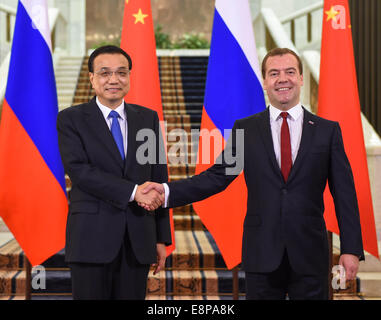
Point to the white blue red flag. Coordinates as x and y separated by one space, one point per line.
33 200
233 91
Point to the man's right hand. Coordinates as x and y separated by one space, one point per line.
150 199
149 186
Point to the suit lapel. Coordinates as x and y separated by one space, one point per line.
134 123
308 131
265 130
98 125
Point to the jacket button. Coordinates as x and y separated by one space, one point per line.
284 191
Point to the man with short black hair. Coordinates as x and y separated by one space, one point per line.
110 240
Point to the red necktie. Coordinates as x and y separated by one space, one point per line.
285 147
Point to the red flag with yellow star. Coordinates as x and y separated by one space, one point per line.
339 101
138 40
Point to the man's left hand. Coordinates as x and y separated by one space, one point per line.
350 263
161 256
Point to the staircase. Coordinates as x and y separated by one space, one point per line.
195 270
66 74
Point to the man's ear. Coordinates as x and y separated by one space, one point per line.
91 76
264 84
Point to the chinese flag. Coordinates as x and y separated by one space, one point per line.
138 40
339 101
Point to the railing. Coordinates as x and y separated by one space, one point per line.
305 17
58 27
8 15
273 33
7 22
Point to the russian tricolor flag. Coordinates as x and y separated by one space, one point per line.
33 200
233 91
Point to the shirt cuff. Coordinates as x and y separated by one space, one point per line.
166 194
132 198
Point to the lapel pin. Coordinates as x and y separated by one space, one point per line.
311 122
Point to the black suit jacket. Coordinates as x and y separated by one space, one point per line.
102 183
285 215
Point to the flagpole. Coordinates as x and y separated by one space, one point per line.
330 248
28 278
235 283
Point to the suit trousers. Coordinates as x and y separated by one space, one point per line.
124 278
285 282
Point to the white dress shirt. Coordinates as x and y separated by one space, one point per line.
123 127
295 124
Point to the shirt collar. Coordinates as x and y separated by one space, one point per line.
106 110
294 112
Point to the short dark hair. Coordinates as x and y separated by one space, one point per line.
109 49
280 52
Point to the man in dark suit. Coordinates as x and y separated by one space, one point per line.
110 240
289 155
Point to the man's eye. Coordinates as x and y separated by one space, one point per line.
122 74
105 74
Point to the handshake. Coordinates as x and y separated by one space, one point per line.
150 195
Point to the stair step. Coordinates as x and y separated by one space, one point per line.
183 84
172 112
51 297
179 119
11 255
186 61
370 283
64 79
187 78
185 297
193 283
12 282
195 249
347 297
65 92
195 105
188 209
12 297
65 86
182 169
163 65
71 60
67 72
187 222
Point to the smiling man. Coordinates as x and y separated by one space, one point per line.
283 78
110 240
289 156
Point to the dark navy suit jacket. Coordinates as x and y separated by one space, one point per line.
285 215
100 213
